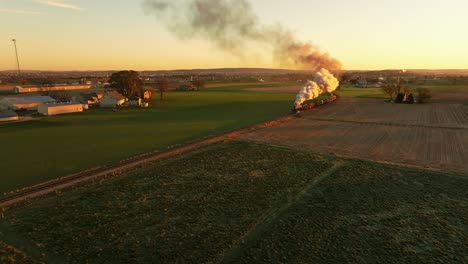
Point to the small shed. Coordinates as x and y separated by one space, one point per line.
59 109
112 99
8 116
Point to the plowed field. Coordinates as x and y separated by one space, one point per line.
431 135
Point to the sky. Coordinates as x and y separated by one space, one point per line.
118 35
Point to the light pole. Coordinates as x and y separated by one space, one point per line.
17 59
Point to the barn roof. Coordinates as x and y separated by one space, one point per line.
29 99
116 95
7 113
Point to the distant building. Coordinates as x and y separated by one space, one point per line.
88 98
47 88
362 83
25 103
59 109
112 99
186 87
147 95
8 116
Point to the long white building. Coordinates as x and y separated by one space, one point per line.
59 109
47 88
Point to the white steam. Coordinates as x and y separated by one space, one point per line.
323 82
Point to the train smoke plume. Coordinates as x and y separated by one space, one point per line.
231 24
324 82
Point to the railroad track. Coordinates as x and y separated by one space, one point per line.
68 181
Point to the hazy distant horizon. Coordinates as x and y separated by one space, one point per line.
363 35
228 68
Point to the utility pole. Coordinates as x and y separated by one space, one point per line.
17 59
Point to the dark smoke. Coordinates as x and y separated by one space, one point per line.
231 25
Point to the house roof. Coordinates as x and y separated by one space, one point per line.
7 113
89 96
116 95
29 99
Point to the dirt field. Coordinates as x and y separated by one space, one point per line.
431 135
457 94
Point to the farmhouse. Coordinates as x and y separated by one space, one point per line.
25 103
88 98
47 88
58 109
112 99
8 115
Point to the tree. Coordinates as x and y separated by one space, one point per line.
128 83
198 83
162 86
424 95
389 90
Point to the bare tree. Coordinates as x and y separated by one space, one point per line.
389 90
198 83
162 86
424 95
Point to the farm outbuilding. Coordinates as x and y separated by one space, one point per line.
59 109
88 98
134 101
8 116
47 88
25 103
112 99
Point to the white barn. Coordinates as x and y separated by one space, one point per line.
112 99
59 109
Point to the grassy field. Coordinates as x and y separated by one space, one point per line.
33 152
243 202
351 91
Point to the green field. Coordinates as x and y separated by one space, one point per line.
243 202
351 91
37 151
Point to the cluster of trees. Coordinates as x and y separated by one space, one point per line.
129 83
403 93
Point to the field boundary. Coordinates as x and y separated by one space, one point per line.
73 179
